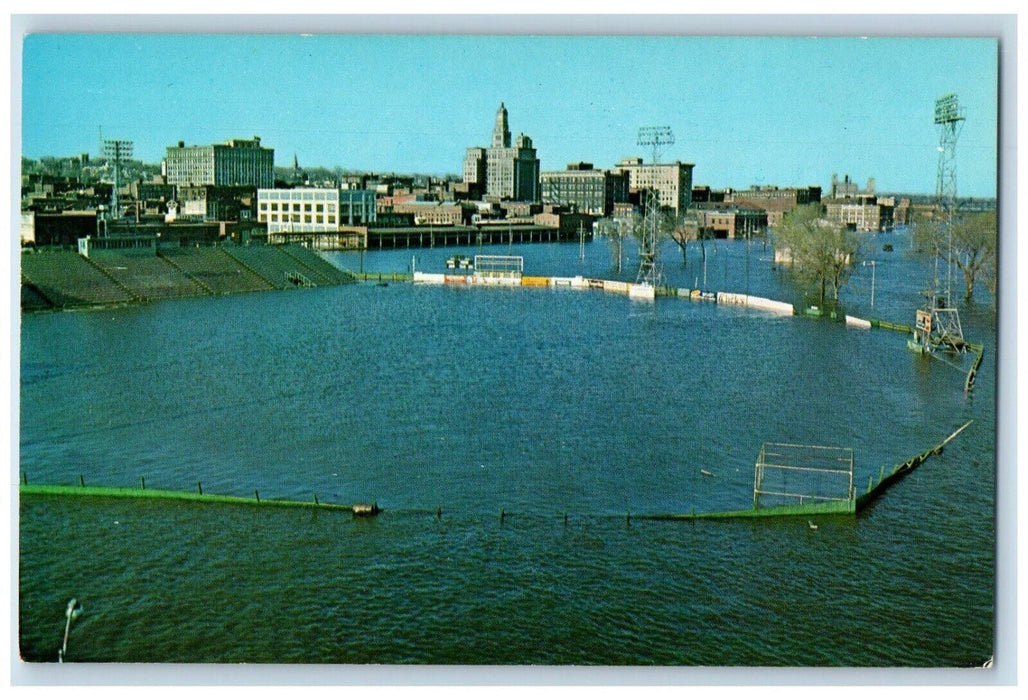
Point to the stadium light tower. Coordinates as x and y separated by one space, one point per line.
116 149
949 117
658 138
938 324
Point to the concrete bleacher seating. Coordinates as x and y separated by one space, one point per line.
279 265
326 272
216 269
32 299
67 279
147 277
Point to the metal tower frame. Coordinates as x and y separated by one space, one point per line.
938 324
649 241
116 149
949 117
658 138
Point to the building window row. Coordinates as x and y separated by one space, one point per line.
296 218
297 207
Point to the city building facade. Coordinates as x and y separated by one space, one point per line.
717 220
856 209
672 181
864 215
236 162
503 171
588 190
848 189
436 213
776 201
313 209
214 203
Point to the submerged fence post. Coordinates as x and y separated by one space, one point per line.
257 495
199 488
316 499
82 482
142 483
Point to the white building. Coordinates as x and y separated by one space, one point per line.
314 209
673 181
236 162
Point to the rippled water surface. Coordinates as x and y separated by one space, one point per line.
537 403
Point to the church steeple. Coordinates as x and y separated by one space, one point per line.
501 134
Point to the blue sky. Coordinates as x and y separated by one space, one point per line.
745 110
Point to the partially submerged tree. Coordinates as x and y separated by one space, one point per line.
615 232
686 228
969 242
820 252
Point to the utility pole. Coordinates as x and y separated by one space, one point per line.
872 263
747 265
620 239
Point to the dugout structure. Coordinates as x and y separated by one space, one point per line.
804 478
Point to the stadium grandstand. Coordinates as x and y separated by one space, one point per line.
66 279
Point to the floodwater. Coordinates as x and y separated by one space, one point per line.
568 411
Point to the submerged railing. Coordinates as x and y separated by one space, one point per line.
847 506
194 496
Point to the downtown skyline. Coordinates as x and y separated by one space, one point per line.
783 111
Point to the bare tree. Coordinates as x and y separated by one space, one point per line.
616 235
821 253
686 229
969 242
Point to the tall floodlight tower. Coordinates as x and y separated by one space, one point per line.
949 118
937 326
116 149
658 138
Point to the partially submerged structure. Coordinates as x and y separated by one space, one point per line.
812 478
807 480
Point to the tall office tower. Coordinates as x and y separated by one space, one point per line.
503 171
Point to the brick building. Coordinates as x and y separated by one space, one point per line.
720 220
586 189
776 201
